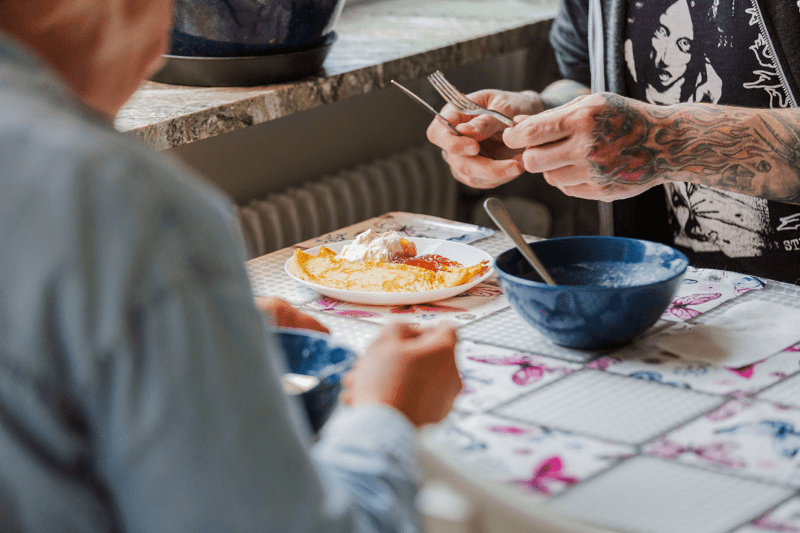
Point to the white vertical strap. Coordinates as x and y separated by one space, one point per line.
605 213
605 210
596 46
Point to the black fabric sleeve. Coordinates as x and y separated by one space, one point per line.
569 39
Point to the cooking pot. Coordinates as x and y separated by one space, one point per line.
230 28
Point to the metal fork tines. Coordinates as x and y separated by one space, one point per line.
463 104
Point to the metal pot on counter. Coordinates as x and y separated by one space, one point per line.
248 42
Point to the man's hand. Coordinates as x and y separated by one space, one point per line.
594 147
409 368
606 147
483 132
285 315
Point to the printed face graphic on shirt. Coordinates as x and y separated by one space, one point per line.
671 46
713 51
667 52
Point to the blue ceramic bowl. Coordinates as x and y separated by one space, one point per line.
231 28
608 289
311 353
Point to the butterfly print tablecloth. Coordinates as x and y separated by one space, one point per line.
633 439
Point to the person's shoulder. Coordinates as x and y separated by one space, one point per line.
156 180
67 168
61 145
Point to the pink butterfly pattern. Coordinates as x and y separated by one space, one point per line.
330 305
754 439
548 472
531 369
718 453
746 371
705 289
680 307
602 363
480 301
784 518
539 460
728 382
728 410
510 430
499 374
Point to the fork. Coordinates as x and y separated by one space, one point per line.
463 104
427 106
435 113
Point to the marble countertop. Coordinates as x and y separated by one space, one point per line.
378 40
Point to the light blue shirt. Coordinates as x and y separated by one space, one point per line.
139 386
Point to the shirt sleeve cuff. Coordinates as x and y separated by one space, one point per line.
375 426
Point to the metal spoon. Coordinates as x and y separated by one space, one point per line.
298 383
293 383
500 215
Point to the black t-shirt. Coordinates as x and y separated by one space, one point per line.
714 51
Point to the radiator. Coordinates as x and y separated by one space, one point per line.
417 181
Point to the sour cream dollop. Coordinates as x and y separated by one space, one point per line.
371 246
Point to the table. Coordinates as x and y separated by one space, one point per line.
632 439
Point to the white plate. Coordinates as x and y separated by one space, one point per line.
463 253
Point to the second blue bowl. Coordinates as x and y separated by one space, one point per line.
312 353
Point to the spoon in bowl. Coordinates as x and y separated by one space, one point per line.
293 383
298 383
497 211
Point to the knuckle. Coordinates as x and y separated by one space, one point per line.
530 160
584 114
595 99
460 167
531 130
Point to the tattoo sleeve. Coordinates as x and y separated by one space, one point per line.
749 151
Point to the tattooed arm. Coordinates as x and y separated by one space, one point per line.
749 151
606 147
484 132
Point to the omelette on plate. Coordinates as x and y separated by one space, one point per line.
330 270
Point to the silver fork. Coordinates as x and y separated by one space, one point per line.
463 104
435 113
427 106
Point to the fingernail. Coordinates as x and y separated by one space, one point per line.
471 150
512 171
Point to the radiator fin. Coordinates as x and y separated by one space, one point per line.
416 181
